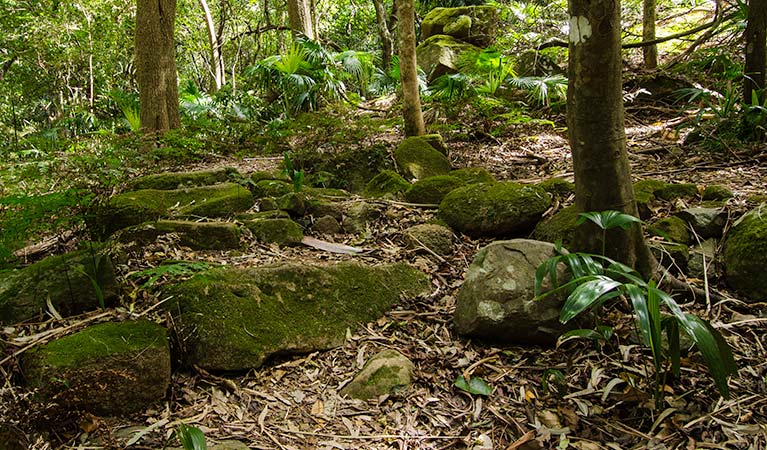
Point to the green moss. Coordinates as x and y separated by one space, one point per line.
494 209
677 190
178 180
433 189
559 227
436 141
418 159
437 238
351 169
671 255
273 214
233 319
649 186
271 188
745 255
757 199
196 235
278 231
644 194
475 24
261 175
441 54
716 192
558 186
388 183
672 228
292 202
472 175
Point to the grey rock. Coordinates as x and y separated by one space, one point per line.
705 222
326 225
435 237
695 265
386 372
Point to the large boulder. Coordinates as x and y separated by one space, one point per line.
67 281
349 169
441 54
277 231
195 235
386 372
433 189
387 184
494 209
745 255
477 25
135 207
236 318
180 180
105 369
496 301
418 159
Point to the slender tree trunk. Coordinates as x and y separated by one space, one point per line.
648 34
411 100
756 52
300 16
156 65
216 57
596 129
387 51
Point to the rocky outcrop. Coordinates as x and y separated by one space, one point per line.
387 184
440 54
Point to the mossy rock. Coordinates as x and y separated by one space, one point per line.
179 180
716 192
328 193
236 318
559 227
558 186
650 185
261 175
441 54
66 280
320 207
292 202
326 225
494 209
351 169
417 159
756 199
672 255
644 194
433 189
271 188
745 255
672 228
676 191
436 141
272 214
106 369
359 216
388 183
436 238
133 208
475 24
277 231
473 175
386 372
195 235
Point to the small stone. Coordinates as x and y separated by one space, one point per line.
326 225
359 216
705 222
386 372
436 238
671 255
716 192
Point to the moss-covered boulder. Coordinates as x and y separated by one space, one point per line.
745 255
277 231
436 141
351 169
234 319
386 372
105 369
716 192
644 194
67 281
440 54
494 209
434 237
261 175
271 188
179 180
271 214
293 203
672 228
473 175
133 208
326 225
671 255
675 191
475 24
388 183
417 159
195 235
433 189
559 227
557 186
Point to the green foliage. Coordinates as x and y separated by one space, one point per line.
129 105
474 385
295 175
596 279
169 270
191 438
607 220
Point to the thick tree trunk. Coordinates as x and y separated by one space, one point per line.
387 51
596 130
156 65
300 16
648 34
411 100
756 52
218 70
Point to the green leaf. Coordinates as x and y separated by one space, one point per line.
475 386
608 219
671 325
718 359
191 438
653 308
584 333
586 295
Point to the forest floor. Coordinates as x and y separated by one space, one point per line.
580 395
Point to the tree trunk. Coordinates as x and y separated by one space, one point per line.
387 50
411 100
216 57
156 65
648 34
300 16
596 130
756 53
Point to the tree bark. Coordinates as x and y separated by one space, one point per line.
756 50
300 16
595 120
387 51
218 69
650 52
156 65
411 100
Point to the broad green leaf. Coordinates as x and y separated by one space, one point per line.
717 359
607 220
580 333
475 386
191 438
639 302
671 325
653 308
586 295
